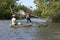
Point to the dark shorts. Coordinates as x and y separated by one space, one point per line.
28 19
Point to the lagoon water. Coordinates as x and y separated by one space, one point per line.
51 32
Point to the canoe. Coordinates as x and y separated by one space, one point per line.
22 25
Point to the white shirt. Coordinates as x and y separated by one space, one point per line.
13 21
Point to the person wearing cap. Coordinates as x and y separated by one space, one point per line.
14 22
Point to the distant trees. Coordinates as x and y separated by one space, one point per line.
24 8
8 7
37 12
5 8
49 8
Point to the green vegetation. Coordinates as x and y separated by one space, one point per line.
5 8
37 12
49 8
9 7
44 8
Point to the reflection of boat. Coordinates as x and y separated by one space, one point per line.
22 25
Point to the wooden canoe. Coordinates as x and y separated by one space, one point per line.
22 25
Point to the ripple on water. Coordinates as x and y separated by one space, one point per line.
51 32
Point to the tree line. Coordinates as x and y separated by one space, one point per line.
8 7
48 8
44 9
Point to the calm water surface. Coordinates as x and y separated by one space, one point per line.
51 32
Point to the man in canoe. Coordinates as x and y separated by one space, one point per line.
28 18
14 21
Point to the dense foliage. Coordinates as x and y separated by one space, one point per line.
49 8
8 7
5 8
